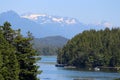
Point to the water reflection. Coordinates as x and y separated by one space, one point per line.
50 72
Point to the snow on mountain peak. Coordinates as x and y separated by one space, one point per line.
58 19
34 16
71 21
107 24
43 18
104 23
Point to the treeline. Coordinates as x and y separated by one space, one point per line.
92 48
46 50
17 60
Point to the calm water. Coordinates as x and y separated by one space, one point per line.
50 72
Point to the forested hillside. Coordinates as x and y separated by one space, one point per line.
49 45
92 48
16 55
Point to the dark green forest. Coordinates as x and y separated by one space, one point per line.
17 61
92 48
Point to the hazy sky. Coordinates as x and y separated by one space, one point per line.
86 11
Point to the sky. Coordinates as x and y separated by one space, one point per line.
86 11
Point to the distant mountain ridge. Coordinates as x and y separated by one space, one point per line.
57 41
49 45
42 25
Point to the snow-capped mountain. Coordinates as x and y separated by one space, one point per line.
43 19
43 25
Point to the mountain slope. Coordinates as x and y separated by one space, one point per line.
45 25
49 45
53 40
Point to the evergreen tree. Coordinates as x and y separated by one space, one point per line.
9 68
25 54
17 61
92 48
1 64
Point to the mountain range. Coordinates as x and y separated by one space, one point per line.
43 25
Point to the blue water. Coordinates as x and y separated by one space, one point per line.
50 72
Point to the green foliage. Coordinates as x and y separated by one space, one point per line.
26 60
117 79
17 61
92 48
9 65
